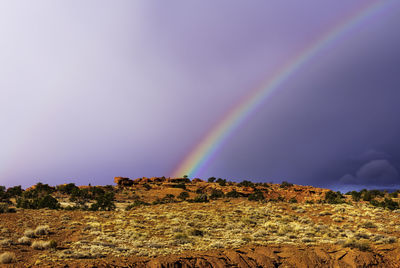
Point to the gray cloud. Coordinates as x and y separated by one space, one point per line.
375 172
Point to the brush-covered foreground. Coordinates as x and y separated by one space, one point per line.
295 230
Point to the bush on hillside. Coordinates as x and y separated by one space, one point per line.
183 195
256 196
104 202
211 179
246 184
286 184
216 193
221 182
233 194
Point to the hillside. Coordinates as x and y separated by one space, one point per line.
176 222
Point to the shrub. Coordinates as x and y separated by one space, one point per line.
201 198
7 257
46 201
286 184
334 197
146 186
246 184
233 194
40 245
6 242
42 230
211 179
368 224
29 233
14 191
367 196
183 195
104 202
293 200
24 241
221 182
256 196
387 203
216 193
136 203
196 232
181 238
4 208
67 188
356 196
394 195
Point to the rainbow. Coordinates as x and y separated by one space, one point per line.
202 153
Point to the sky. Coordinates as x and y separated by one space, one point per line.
90 90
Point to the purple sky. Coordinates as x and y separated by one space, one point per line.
90 90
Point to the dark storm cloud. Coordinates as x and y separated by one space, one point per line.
376 173
334 116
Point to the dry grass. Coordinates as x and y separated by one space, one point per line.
42 230
24 240
29 233
7 257
41 245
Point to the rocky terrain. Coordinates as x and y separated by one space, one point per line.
177 222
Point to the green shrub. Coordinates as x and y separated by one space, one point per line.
293 200
286 184
246 184
256 196
66 188
221 182
4 208
183 195
201 198
356 196
387 203
46 201
211 179
334 197
233 194
146 186
216 193
136 203
104 202
14 191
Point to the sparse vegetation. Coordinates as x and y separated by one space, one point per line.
183 195
41 245
216 193
156 222
256 196
233 194
7 257
211 179
286 184
334 197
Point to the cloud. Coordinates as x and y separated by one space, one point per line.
372 155
375 172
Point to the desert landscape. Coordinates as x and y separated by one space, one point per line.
178 222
